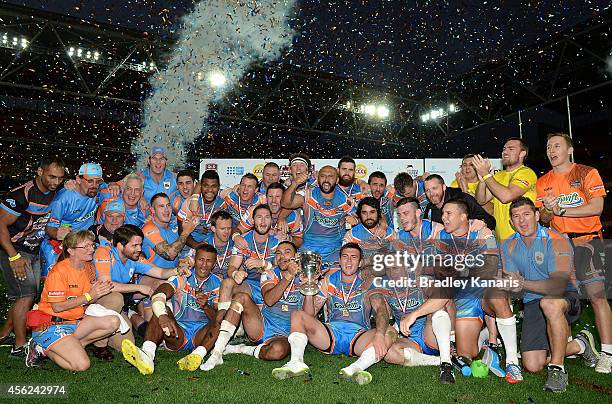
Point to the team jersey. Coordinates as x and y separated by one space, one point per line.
294 223
65 282
238 208
136 216
176 200
291 300
108 264
31 206
184 301
73 209
346 301
549 252
103 236
154 234
167 185
525 178
386 207
471 186
421 244
369 242
573 188
323 228
352 191
196 205
265 251
403 301
224 253
475 244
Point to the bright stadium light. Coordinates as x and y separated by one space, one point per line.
437 113
382 112
368 109
216 79
15 42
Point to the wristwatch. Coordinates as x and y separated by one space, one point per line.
562 211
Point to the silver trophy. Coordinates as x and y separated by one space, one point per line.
310 272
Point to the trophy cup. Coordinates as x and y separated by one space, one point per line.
310 272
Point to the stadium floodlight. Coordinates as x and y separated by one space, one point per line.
368 109
216 79
437 113
14 42
382 111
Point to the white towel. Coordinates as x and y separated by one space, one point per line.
97 310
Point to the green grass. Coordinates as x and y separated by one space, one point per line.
246 380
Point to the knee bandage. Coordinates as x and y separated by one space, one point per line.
158 304
237 307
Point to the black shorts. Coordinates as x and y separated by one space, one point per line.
534 336
16 288
588 261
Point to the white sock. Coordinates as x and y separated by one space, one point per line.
582 346
507 330
441 325
256 351
559 366
419 359
130 313
298 342
200 351
482 337
367 359
149 347
607 348
226 332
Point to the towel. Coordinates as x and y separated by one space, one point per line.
97 310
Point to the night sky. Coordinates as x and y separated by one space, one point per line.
408 45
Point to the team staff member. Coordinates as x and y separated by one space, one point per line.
571 197
157 178
539 261
136 209
505 186
23 217
71 210
70 286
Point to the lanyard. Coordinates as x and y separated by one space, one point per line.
399 301
350 192
286 293
346 299
467 240
418 249
257 249
224 254
212 209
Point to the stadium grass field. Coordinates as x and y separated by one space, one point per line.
246 380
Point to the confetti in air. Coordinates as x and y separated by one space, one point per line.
218 41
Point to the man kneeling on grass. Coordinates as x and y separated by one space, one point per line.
189 323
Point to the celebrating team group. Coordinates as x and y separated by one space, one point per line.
189 264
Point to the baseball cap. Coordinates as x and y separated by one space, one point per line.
90 170
159 150
116 205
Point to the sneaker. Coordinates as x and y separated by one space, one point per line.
215 359
604 364
103 353
18 352
34 354
491 359
513 373
290 369
590 356
136 357
447 376
556 381
190 362
8 340
233 349
361 377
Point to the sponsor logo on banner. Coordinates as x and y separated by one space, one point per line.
361 171
285 171
258 170
211 166
412 171
235 170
